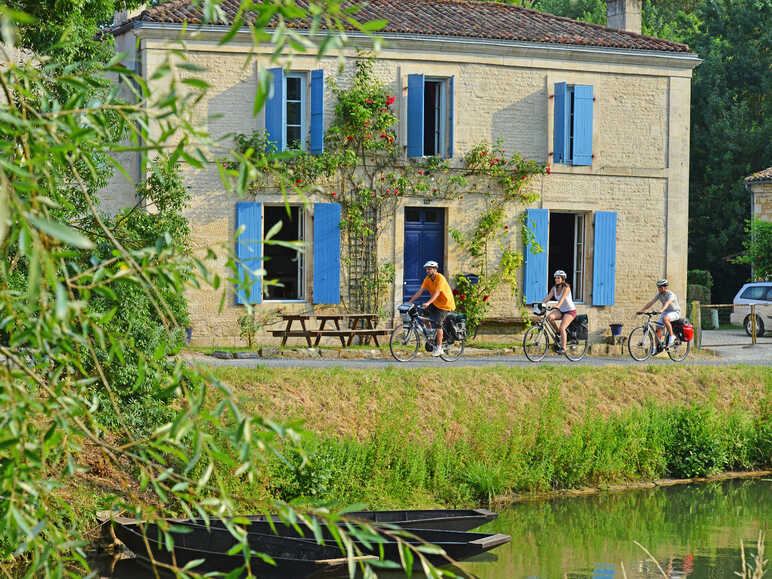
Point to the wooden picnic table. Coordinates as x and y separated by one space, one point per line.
353 325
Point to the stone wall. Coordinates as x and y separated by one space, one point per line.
639 170
762 201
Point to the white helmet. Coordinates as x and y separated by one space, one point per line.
560 273
431 263
662 283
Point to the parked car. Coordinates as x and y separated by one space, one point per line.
758 293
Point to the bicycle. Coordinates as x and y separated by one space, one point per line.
539 336
406 338
643 341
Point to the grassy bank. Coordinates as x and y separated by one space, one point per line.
453 436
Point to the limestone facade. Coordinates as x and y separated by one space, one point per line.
503 91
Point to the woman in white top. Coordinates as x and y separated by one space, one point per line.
565 310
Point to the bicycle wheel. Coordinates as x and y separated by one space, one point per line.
452 352
679 350
535 343
404 343
640 343
575 349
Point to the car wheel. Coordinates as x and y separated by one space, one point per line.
759 326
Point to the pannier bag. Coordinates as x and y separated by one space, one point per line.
454 325
683 329
578 327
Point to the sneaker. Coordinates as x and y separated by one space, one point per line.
438 352
670 341
560 350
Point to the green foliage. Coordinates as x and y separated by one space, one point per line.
701 277
758 248
698 292
92 305
694 443
731 131
251 323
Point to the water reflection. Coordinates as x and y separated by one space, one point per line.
693 531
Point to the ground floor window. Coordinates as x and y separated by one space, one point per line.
284 264
567 250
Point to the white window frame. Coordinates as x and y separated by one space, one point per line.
580 242
441 116
303 77
301 256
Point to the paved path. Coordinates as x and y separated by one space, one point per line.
739 351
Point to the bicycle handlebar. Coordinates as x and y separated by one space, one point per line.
652 313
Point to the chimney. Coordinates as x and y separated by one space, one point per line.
624 15
124 15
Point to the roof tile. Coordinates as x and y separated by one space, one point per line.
449 18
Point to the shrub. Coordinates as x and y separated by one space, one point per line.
694 443
700 277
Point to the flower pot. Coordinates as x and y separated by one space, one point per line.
616 329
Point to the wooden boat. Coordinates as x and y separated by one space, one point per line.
302 559
458 545
442 519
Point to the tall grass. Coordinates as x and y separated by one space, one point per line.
536 454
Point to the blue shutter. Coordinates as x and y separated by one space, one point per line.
604 259
415 115
317 112
326 253
450 117
535 274
582 153
248 250
276 111
560 131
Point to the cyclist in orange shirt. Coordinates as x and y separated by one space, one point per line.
440 303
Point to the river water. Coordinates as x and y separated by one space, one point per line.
691 530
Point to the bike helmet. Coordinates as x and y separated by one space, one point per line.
560 273
662 283
431 263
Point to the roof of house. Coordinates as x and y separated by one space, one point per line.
447 18
765 175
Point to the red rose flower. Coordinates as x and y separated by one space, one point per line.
549 171
420 172
506 227
461 197
349 138
389 100
463 296
334 193
369 101
434 190
299 181
485 298
455 292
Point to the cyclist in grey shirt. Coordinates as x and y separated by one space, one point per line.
670 310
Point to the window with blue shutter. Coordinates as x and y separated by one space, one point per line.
581 153
604 258
415 115
535 266
248 250
562 114
275 112
572 124
317 112
326 253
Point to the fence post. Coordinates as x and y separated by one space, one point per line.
753 323
696 318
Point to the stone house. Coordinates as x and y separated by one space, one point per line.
759 185
606 108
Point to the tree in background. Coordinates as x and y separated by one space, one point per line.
731 131
758 249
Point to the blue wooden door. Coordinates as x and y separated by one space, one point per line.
424 241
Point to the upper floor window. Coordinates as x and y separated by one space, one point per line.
429 116
572 131
287 111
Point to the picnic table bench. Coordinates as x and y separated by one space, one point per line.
354 325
